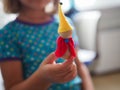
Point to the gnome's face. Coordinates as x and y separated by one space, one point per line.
67 34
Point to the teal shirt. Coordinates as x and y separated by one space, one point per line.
31 43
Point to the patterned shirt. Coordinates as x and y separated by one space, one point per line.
31 43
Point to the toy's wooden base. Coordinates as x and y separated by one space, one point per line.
66 55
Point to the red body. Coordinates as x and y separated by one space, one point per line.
63 45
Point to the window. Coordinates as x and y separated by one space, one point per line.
84 4
78 4
66 5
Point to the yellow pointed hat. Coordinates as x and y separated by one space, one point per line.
64 26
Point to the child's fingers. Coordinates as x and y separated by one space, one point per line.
50 59
70 59
77 62
68 62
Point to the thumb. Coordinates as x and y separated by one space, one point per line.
50 58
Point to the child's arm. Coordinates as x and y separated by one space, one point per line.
83 72
85 76
47 72
13 78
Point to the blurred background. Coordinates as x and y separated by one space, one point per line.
97 25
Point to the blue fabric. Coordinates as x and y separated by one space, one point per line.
31 43
66 40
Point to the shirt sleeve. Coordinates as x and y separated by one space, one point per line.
9 49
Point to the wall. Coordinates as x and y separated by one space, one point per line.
5 18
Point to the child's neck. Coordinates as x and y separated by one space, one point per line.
33 16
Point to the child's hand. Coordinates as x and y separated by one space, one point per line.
57 72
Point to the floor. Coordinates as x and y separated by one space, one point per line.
107 82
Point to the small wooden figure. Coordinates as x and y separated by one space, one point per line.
65 44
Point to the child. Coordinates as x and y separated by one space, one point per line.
25 47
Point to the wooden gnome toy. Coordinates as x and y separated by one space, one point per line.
65 44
